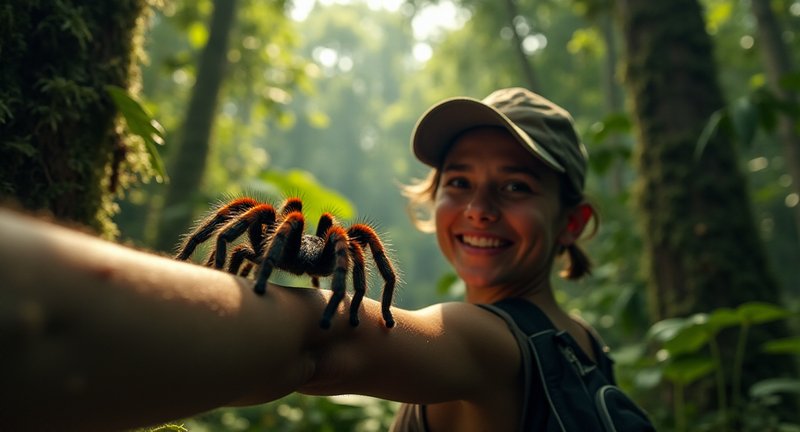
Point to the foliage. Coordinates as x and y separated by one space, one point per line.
690 351
316 197
743 118
141 124
298 412
292 413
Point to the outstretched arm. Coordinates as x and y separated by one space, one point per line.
96 336
94 332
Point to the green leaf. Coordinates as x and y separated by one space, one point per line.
771 386
688 369
759 313
711 128
665 330
722 318
140 123
317 199
783 346
690 338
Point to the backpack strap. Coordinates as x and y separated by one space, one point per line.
577 393
532 320
526 360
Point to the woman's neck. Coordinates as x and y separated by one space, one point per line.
537 291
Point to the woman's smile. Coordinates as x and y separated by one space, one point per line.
481 243
497 210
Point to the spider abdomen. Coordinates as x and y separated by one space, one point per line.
310 259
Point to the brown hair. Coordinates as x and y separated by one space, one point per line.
422 193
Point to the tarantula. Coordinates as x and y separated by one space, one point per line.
276 239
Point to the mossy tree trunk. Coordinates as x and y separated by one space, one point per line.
702 247
778 64
189 163
60 147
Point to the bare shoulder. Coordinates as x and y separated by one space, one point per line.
458 350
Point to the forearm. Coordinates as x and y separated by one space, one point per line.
97 335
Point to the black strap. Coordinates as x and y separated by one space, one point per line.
526 359
531 320
527 315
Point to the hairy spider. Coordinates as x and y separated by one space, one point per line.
276 239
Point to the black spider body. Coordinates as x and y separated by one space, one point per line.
276 239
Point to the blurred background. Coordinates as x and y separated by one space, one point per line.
272 98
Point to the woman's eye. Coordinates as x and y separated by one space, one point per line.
457 182
517 187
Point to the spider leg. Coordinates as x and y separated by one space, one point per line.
262 214
207 227
238 255
209 260
285 241
326 221
246 270
359 280
291 205
366 236
337 238
257 234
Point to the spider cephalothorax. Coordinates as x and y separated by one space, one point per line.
276 239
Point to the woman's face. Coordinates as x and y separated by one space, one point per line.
497 211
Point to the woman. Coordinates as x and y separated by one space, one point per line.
86 342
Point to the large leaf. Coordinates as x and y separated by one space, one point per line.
665 330
723 318
140 123
687 335
317 199
683 335
689 339
759 313
783 346
775 385
687 370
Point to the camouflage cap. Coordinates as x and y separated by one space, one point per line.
544 128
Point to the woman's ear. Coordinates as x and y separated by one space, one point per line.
577 219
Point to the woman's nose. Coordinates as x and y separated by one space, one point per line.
481 208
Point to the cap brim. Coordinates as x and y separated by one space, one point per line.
441 124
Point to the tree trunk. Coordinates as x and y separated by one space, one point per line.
527 69
777 64
701 244
189 163
614 102
60 148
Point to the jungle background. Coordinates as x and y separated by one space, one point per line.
133 118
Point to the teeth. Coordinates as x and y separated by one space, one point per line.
482 242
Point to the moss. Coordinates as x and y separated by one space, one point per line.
58 131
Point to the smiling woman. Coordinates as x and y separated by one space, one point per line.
91 329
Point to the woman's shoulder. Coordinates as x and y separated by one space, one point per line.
458 350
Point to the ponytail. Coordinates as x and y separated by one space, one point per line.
578 265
